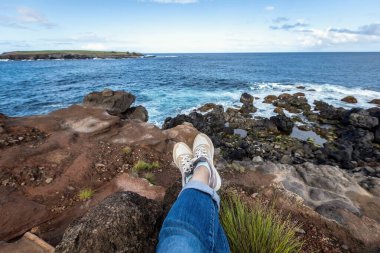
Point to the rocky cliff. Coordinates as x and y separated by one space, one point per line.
322 165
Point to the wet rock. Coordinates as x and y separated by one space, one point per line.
299 94
247 101
300 87
375 101
362 119
123 222
293 103
350 100
283 123
269 99
210 123
136 113
377 135
284 96
279 110
207 107
329 112
374 112
115 103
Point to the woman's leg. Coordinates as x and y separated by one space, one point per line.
192 224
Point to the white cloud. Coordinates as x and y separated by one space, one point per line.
269 8
318 38
31 16
25 18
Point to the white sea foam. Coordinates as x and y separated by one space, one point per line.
167 56
331 94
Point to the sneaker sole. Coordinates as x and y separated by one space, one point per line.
218 179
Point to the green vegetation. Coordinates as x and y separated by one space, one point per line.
127 150
86 193
142 165
150 177
257 229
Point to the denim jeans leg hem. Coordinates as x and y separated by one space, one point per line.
197 185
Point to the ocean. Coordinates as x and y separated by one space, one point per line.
178 83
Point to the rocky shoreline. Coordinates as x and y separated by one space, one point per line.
325 159
67 55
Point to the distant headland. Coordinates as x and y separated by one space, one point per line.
67 54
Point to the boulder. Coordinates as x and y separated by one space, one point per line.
136 113
283 123
293 103
350 100
362 119
299 94
246 99
375 101
279 110
207 107
329 112
269 99
377 135
115 102
284 96
123 222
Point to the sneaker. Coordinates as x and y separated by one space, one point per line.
182 157
204 149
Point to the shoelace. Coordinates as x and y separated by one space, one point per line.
187 163
201 151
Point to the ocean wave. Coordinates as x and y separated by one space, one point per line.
166 56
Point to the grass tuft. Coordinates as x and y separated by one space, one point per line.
127 150
257 229
150 177
86 193
142 165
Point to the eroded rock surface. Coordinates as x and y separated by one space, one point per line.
123 222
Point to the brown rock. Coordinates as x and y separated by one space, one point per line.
279 110
300 87
299 94
18 214
269 99
350 100
107 93
284 96
375 101
136 113
246 99
116 103
207 107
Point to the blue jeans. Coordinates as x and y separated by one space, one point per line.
192 225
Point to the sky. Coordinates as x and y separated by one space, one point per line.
189 26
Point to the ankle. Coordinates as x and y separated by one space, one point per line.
201 173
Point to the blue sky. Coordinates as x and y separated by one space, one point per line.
164 26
